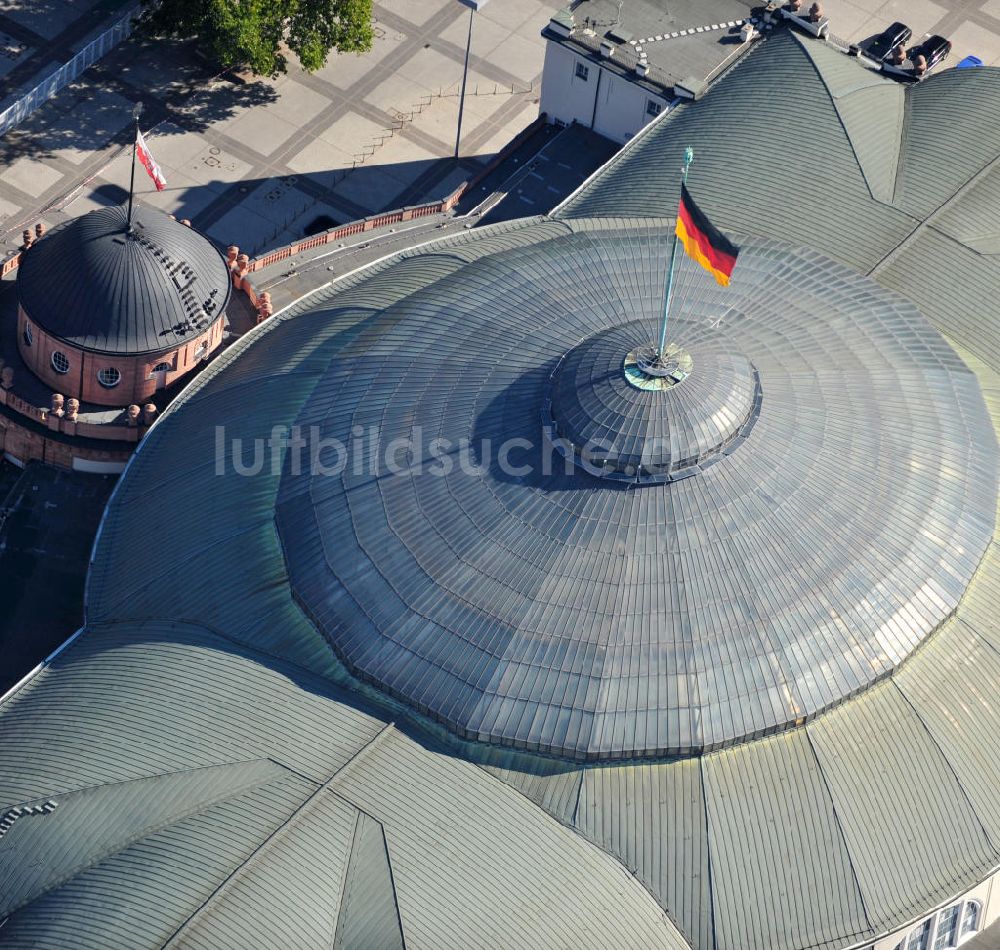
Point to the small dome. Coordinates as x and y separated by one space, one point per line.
617 426
101 288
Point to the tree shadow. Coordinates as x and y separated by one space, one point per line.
181 92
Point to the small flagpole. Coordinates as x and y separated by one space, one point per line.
136 112
688 159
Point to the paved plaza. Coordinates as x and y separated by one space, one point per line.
261 163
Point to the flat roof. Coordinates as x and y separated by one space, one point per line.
679 41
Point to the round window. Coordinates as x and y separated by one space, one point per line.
28 338
109 378
60 363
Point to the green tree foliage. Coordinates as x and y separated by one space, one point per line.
254 33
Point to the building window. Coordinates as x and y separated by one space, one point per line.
970 918
28 338
109 377
59 362
202 350
653 107
161 368
582 72
920 939
945 928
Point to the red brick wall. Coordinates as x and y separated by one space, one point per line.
81 381
27 446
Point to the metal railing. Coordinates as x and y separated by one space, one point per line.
65 74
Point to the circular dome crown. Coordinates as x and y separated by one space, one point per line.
99 287
615 425
513 596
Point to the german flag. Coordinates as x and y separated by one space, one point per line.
703 241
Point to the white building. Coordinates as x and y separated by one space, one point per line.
614 75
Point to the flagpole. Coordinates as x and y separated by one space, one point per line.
688 158
136 112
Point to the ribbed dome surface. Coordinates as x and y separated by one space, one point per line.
94 285
522 601
650 434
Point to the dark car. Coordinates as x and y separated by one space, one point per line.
934 50
881 48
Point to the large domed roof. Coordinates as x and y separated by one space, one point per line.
837 459
100 287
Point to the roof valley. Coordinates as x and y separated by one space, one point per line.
928 223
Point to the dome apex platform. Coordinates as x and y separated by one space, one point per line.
618 420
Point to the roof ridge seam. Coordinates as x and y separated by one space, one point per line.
904 139
833 102
840 827
238 871
951 768
306 805
927 223
714 938
145 831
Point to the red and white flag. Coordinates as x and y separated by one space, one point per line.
148 162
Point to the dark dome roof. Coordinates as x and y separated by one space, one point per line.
98 288
621 429
538 606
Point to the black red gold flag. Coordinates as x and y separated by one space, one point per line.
703 241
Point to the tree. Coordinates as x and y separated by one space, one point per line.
253 33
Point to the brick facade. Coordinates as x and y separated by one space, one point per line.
26 445
138 382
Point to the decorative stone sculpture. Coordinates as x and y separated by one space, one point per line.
57 404
27 239
242 269
39 231
72 409
920 64
133 415
7 377
816 13
264 307
149 414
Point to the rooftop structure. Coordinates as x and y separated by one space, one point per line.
97 285
108 319
318 714
614 67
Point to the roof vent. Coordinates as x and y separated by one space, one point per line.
690 88
607 49
618 34
642 68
